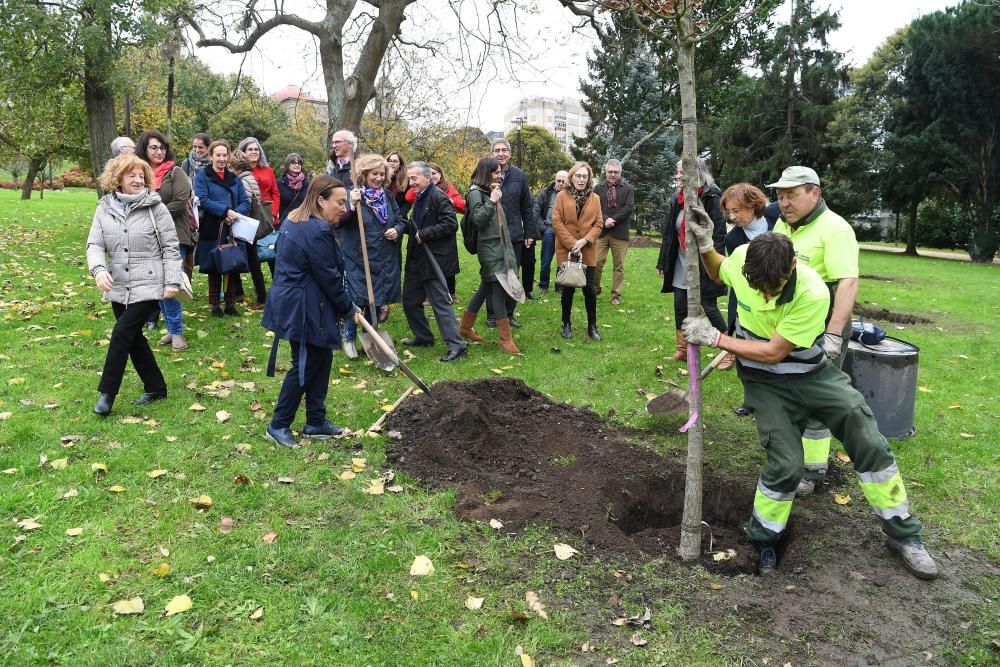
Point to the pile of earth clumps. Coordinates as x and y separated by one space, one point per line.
643 242
516 456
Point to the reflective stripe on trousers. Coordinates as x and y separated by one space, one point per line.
771 508
816 450
885 492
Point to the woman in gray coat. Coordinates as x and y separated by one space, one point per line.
494 251
133 255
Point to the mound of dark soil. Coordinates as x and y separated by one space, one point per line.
643 242
839 596
517 457
887 315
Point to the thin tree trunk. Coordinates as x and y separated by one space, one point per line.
35 165
690 542
170 99
98 97
911 231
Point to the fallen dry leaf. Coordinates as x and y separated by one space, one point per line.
323 456
197 407
531 597
395 488
72 493
6 415
527 661
104 577
269 538
286 480
564 551
201 502
226 525
358 465
242 480
178 605
162 570
98 468
258 614
414 594
59 464
346 475
714 585
841 498
255 406
132 420
117 488
518 615
131 606
165 552
73 532
728 554
243 448
222 416
15 381
924 389
10 471
843 458
153 474
474 603
496 524
954 406
422 566
966 436
637 640
376 487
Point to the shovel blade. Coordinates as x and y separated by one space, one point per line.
386 360
510 283
670 403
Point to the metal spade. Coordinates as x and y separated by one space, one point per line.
675 400
385 358
508 277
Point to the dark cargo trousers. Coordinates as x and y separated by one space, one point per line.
782 411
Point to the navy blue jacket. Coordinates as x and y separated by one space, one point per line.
383 254
290 199
518 206
437 226
308 294
216 196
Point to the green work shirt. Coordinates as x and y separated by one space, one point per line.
825 242
798 314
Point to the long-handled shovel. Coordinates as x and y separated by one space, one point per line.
508 277
385 358
675 400
372 307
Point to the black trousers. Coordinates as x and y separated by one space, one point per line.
490 292
528 268
318 362
256 274
589 300
707 303
127 341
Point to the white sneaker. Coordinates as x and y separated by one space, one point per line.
805 487
350 350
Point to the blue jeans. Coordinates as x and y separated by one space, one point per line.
172 310
548 252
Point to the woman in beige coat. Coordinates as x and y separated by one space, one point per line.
133 256
577 223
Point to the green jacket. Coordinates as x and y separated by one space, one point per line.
494 236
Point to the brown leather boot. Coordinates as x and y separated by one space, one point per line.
506 341
681 353
465 328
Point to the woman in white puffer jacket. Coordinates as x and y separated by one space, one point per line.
133 255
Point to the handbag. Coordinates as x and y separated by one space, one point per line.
261 212
185 292
231 257
572 274
266 247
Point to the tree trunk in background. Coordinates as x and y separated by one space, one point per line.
170 100
690 542
911 231
35 166
98 97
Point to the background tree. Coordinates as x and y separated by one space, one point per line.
279 145
541 157
249 117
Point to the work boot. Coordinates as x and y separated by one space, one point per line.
104 403
915 556
805 487
506 341
681 353
767 559
465 328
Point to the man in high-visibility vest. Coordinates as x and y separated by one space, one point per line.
825 242
788 379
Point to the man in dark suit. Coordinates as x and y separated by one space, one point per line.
431 254
617 206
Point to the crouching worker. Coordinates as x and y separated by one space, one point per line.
787 380
307 299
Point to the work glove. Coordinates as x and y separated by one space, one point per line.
699 331
832 344
702 227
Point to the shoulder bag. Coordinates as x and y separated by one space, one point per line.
230 257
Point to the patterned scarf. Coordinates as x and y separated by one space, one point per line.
582 197
160 172
612 195
295 181
375 200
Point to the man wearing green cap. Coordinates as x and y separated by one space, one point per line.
825 242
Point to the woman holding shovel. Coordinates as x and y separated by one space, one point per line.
373 268
495 252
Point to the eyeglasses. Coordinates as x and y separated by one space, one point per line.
155 149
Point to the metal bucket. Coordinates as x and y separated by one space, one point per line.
886 375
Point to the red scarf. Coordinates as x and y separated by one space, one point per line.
683 231
161 171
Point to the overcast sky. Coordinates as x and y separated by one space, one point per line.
556 57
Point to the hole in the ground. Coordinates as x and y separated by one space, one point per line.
887 315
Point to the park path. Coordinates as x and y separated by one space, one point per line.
959 257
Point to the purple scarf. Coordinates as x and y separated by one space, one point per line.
376 201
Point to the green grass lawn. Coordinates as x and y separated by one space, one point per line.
334 586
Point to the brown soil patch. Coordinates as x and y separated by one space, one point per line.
839 597
872 276
643 242
887 315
